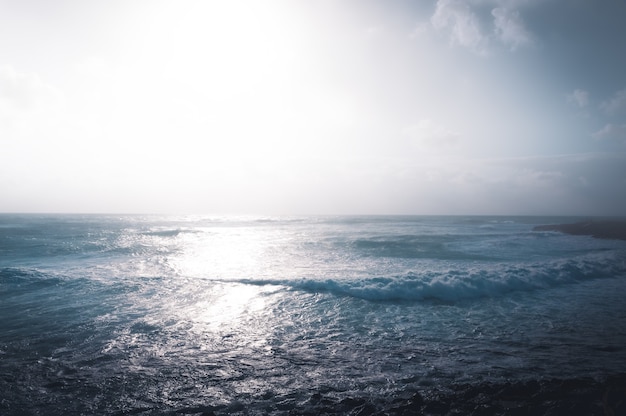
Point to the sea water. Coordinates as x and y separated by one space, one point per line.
260 315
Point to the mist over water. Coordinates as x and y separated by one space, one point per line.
146 314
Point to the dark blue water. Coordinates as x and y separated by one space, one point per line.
192 315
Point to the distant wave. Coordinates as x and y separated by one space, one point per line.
12 277
413 247
168 232
456 285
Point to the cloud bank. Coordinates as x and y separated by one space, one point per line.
468 27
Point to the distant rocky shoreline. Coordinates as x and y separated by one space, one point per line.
607 229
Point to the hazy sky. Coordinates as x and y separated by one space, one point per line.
313 107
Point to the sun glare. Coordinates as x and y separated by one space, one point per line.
209 105
221 253
229 77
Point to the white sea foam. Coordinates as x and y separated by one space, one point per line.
470 282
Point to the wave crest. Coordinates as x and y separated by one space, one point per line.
456 285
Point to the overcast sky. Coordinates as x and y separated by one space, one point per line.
313 107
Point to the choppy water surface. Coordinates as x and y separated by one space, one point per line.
146 315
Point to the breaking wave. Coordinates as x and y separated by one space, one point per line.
458 284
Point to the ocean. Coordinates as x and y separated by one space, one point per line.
146 315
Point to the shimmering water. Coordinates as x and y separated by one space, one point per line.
149 315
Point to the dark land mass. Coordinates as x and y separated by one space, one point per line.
609 229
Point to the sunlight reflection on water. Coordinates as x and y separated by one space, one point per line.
209 259
221 253
187 297
207 293
227 305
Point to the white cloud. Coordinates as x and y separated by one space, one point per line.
579 98
23 92
419 30
31 114
471 29
463 23
510 28
617 103
375 31
611 132
430 134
